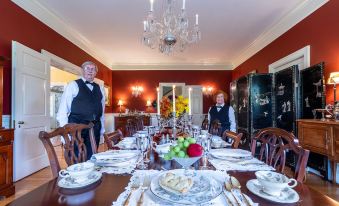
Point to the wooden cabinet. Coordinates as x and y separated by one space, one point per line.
6 162
321 137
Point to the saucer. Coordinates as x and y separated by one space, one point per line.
75 183
287 195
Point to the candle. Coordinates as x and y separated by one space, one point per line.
189 101
183 4
158 101
145 25
173 98
151 4
196 19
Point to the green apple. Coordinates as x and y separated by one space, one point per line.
172 153
176 149
181 139
192 140
181 154
167 157
181 145
186 144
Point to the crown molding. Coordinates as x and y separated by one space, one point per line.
60 26
291 19
191 66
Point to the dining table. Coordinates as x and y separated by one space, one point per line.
108 189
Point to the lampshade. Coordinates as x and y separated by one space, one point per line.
120 103
148 103
334 78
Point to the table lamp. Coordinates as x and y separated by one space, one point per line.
120 104
334 79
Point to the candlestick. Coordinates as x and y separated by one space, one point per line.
151 5
189 101
196 19
144 25
173 94
158 101
183 4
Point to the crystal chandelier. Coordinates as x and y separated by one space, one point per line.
171 31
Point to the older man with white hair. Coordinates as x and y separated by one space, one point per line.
83 102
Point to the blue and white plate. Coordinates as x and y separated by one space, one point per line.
204 189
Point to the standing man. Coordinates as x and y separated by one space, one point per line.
83 102
222 112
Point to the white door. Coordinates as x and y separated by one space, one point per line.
197 103
30 108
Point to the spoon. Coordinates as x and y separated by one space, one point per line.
235 184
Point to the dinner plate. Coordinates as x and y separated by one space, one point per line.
116 154
74 183
201 184
197 194
287 195
230 153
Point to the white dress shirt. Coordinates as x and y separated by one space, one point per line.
71 91
231 116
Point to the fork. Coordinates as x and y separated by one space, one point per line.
134 187
145 186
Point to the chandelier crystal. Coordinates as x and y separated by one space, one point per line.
172 31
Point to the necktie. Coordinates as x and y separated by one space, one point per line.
87 82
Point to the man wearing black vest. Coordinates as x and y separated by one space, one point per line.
82 102
222 112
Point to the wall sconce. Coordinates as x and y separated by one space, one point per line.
120 104
334 79
137 90
148 103
208 91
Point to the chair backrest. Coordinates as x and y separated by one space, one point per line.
215 128
113 138
234 136
139 121
71 133
274 143
204 124
130 127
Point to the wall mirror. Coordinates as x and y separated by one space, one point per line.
166 89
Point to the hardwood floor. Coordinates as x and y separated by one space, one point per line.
37 179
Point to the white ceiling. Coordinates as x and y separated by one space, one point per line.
113 29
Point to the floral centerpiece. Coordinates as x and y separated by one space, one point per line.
166 107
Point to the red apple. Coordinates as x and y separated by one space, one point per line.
194 150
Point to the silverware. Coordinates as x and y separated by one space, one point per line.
236 185
134 187
228 187
145 186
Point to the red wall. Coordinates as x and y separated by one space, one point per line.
18 25
320 30
123 81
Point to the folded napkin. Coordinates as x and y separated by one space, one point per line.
242 165
115 154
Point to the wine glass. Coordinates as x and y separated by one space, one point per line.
142 144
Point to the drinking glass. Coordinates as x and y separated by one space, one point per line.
142 145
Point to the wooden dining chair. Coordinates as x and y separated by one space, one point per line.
139 121
71 134
113 138
204 124
130 127
215 128
236 137
273 145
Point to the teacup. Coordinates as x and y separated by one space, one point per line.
78 171
273 183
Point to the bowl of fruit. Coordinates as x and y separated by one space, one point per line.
186 152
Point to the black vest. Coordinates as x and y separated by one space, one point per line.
86 106
222 116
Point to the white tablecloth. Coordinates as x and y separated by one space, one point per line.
151 200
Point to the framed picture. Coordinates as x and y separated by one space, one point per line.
107 95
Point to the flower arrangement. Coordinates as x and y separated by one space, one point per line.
166 107
181 105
